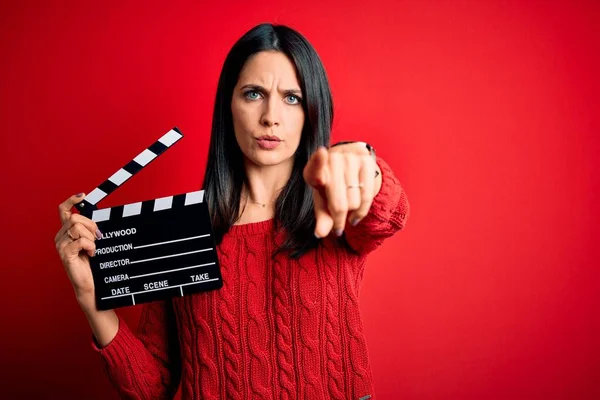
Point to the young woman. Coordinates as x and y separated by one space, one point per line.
294 220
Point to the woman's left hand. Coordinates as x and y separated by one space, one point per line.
344 185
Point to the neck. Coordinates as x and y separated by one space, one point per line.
264 183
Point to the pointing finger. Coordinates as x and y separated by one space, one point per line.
322 216
315 172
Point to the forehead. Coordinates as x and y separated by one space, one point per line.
267 67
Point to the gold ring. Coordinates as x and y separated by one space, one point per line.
355 186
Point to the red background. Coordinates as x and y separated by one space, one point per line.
487 110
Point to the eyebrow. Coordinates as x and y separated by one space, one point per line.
258 87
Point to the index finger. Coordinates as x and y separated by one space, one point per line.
64 209
315 172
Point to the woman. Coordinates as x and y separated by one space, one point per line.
294 221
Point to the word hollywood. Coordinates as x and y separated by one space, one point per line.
122 232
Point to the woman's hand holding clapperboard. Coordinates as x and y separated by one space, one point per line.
75 243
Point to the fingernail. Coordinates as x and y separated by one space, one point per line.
355 221
339 232
98 234
79 195
317 236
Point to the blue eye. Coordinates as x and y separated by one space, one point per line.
250 94
296 99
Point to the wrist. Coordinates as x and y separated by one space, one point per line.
87 303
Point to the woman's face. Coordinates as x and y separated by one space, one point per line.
267 110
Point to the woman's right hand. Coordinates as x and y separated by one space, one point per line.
75 243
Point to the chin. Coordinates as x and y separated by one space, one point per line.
268 160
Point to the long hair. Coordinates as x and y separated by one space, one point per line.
225 173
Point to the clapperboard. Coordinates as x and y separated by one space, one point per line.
154 249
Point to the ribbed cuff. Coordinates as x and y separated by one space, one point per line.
114 351
390 203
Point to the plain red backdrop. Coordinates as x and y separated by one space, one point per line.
488 112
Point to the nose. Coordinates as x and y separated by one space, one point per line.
270 116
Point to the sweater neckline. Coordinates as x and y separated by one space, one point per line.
251 228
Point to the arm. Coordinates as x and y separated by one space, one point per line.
388 213
143 367
146 366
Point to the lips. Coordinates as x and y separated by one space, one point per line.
268 142
271 138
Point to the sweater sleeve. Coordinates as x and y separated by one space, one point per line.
387 215
147 365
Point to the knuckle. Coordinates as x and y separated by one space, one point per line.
364 208
336 157
365 158
77 227
90 243
367 199
60 248
361 213
339 218
339 207
354 204
84 227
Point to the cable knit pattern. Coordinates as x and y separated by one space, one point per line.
356 343
229 328
277 329
333 345
310 360
207 370
257 335
187 345
283 330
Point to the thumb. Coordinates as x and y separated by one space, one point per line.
316 172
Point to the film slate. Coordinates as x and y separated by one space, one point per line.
151 250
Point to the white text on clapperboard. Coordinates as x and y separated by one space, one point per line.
126 261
